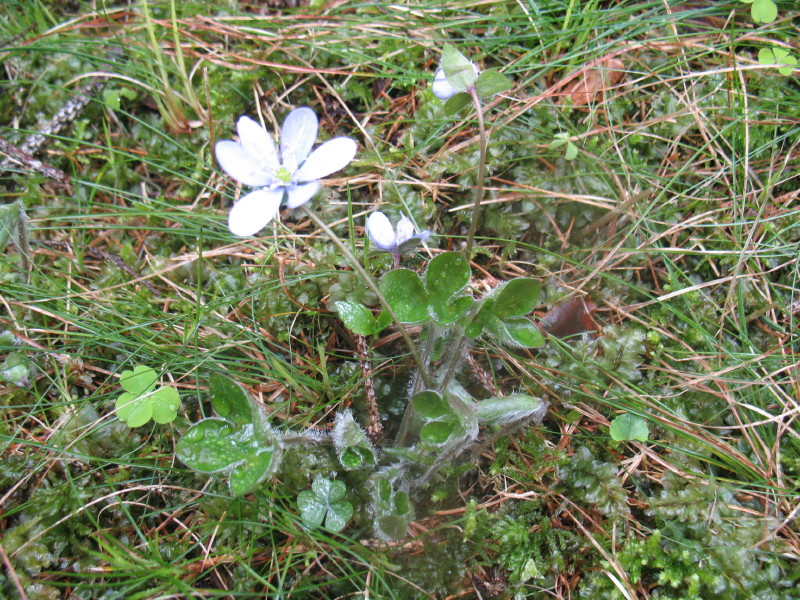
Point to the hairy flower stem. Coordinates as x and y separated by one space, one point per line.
370 283
479 189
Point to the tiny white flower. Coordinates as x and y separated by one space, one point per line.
295 173
442 88
403 238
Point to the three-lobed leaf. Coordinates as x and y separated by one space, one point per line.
238 443
324 504
405 293
141 401
778 56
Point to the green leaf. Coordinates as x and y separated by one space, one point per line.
504 410
9 219
383 320
629 427
406 295
428 404
450 311
230 400
324 502
437 432
16 370
216 446
456 103
524 332
571 152
446 276
491 83
763 11
142 402
356 317
239 445
777 56
459 71
516 298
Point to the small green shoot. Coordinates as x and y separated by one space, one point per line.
324 504
141 401
570 149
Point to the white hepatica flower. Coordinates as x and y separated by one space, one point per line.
442 88
402 238
296 172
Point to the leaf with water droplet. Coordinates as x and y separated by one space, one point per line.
241 446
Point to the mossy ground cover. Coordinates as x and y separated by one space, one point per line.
645 161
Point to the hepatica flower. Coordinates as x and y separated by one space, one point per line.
398 240
294 173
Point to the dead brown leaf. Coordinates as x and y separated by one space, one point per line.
596 77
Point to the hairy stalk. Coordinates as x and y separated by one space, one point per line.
370 282
479 190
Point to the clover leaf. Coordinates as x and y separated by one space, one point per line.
324 503
141 401
763 11
238 443
778 56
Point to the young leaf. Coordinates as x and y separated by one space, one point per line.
456 103
516 298
460 72
445 278
324 503
505 410
356 317
629 427
353 448
141 401
491 83
230 400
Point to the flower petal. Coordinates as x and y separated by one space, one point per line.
258 144
333 155
405 229
441 88
298 135
252 213
237 163
380 231
302 193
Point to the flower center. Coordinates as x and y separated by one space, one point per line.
283 175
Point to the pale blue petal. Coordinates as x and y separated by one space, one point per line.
297 137
441 88
252 212
258 144
302 193
405 229
240 165
333 155
380 231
